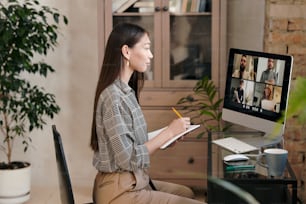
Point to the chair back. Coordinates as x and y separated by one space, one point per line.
66 193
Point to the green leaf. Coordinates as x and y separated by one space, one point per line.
27 29
204 106
297 100
56 17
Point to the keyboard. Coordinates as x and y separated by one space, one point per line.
235 145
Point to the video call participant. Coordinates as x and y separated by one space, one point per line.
266 101
242 72
269 75
239 92
119 131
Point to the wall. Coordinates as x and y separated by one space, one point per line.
245 24
76 62
285 33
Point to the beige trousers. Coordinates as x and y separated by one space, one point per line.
131 188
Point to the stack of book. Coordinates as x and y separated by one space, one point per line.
145 5
120 6
175 6
195 5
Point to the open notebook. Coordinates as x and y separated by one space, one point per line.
156 132
235 145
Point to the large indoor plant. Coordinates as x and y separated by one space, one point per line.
28 30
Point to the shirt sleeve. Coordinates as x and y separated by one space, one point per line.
130 153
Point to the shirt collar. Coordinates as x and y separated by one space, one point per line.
123 86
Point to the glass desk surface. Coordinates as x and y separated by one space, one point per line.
251 177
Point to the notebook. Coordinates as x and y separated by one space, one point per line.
156 132
234 145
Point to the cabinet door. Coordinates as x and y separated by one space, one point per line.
181 32
189 56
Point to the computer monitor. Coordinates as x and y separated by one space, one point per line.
257 90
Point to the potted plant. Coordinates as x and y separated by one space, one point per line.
204 107
28 30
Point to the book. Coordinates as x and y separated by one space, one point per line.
175 6
146 10
144 3
184 5
202 6
145 6
188 9
195 5
125 6
164 146
117 4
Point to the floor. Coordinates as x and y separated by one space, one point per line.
43 195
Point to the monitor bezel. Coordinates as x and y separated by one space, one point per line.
247 116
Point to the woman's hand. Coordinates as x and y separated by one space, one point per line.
179 125
176 127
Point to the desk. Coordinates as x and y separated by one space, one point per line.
266 190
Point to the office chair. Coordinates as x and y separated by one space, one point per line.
66 193
222 191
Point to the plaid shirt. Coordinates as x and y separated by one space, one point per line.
121 130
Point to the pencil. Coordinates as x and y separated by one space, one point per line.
176 112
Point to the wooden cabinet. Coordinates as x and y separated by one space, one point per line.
186 47
184 163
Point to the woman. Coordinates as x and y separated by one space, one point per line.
266 101
119 132
267 93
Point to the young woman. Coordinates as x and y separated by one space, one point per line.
119 132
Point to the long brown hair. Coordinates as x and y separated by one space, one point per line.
122 34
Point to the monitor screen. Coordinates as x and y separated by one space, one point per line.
257 89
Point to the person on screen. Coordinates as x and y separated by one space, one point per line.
269 76
267 102
242 72
239 92
119 137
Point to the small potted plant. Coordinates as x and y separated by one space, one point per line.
28 30
204 107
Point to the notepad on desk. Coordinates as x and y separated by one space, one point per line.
164 146
235 145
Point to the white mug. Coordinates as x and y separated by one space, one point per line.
275 161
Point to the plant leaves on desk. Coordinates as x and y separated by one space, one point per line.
297 100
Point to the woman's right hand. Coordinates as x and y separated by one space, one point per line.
179 125
176 127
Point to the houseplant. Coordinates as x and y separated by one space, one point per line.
28 30
297 100
296 104
204 107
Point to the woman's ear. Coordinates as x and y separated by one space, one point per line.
125 50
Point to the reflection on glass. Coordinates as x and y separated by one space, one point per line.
190 56
183 6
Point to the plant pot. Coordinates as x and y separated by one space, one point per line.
15 185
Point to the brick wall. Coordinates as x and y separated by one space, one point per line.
285 33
